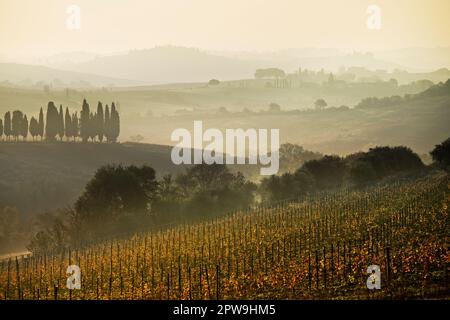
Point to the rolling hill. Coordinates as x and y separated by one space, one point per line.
166 64
36 76
318 247
53 175
169 64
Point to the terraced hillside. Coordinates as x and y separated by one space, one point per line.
316 247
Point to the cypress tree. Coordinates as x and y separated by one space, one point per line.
24 127
1 128
106 125
68 125
34 127
100 122
75 126
92 126
7 125
51 125
115 123
60 122
16 123
84 121
41 124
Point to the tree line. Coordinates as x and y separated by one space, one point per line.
433 91
333 172
89 126
122 199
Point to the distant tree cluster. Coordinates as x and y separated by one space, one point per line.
436 90
213 82
441 154
100 124
103 124
320 104
121 199
333 172
374 102
292 156
274 107
269 73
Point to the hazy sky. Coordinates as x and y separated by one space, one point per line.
35 27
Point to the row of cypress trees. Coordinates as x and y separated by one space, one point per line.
98 126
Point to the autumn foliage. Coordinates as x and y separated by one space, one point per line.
316 247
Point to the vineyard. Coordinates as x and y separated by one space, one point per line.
317 247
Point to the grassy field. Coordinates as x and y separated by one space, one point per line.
316 247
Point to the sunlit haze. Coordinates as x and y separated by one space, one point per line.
31 28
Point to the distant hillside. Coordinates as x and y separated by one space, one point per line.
174 64
39 176
429 58
333 59
136 103
417 121
169 64
38 76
